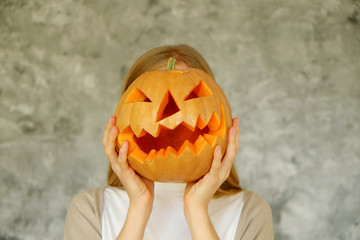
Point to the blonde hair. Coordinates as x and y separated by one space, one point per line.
154 59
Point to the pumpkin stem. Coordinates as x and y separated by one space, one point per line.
171 64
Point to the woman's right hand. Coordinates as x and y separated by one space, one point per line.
139 189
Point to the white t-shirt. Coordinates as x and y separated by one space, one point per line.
167 220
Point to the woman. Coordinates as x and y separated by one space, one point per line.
133 207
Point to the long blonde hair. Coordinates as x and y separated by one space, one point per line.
154 59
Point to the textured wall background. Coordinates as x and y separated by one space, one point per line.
291 70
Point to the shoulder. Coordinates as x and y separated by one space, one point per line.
93 197
84 214
256 218
254 204
88 202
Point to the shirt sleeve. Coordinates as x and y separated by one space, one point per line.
256 219
83 219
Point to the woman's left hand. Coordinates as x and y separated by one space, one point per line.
198 194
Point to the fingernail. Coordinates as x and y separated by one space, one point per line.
112 129
125 144
218 149
112 120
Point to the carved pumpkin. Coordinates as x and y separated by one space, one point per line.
173 120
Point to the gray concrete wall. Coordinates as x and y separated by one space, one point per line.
291 71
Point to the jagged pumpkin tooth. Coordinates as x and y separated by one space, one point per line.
138 154
161 153
142 133
201 122
214 122
192 128
157 131
151 155
199 144
221 130
186 144
136 130
211 139
169 150
127 130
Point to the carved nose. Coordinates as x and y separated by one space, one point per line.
168 107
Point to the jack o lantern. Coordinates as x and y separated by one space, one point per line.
173 121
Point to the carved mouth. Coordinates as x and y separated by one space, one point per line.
175 141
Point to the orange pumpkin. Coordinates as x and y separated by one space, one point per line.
173 120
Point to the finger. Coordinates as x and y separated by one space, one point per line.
110 145
116 162
237 134
231 149
149 184
122 158
212 178
216 163
108 127
106 131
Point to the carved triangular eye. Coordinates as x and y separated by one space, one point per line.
137 96
201 90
